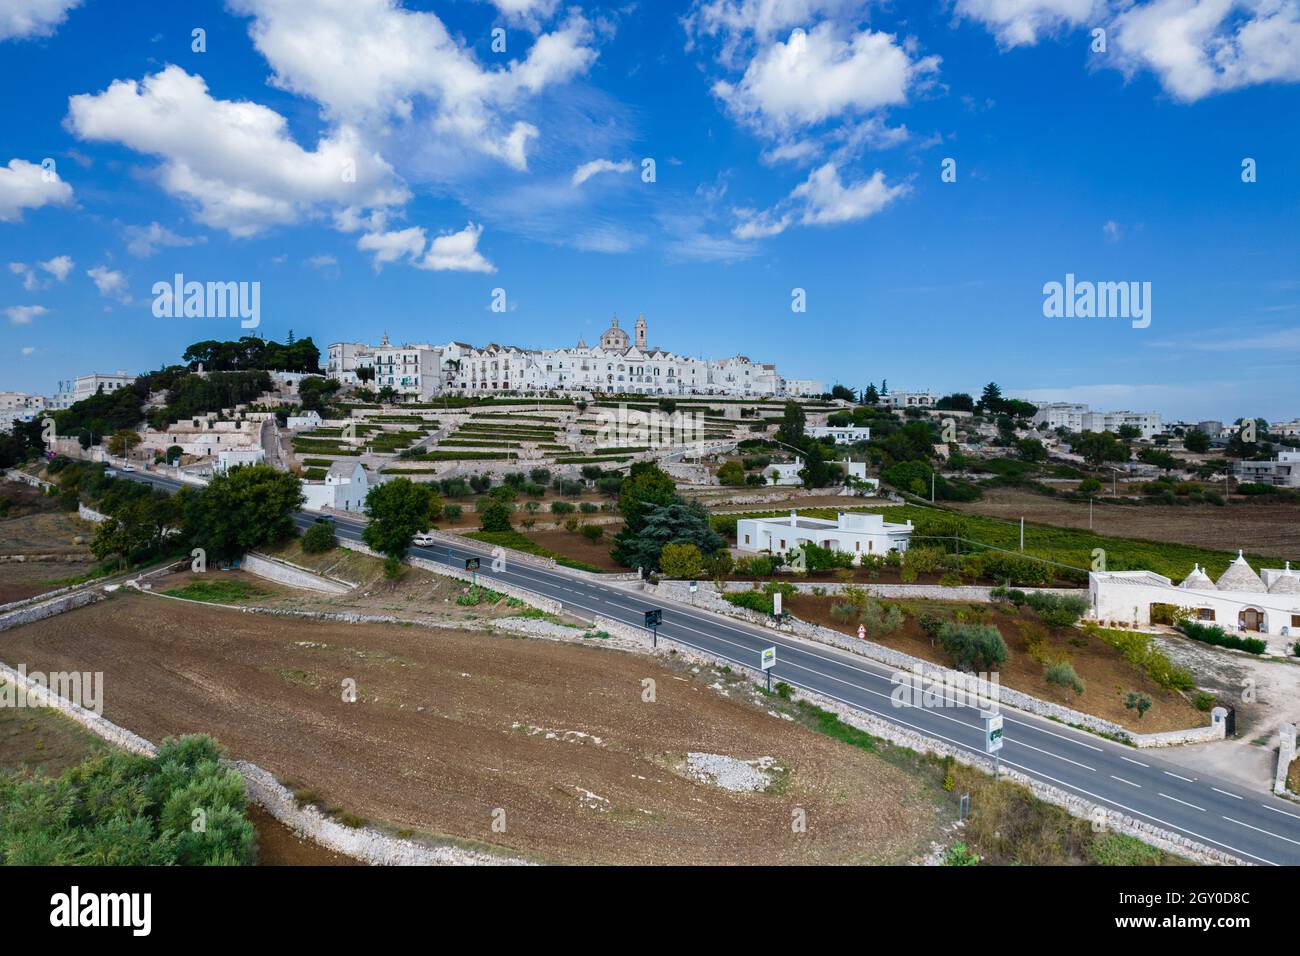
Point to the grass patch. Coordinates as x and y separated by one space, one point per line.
519 542
219 591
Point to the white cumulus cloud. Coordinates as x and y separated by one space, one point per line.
110 283
23 314
25 185
1024 22
32 18
822 199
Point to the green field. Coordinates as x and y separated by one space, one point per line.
1066 546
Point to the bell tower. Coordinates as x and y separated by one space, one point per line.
640 332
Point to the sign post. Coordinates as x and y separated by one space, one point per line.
653 618
862 632
472 565
993 740
767 663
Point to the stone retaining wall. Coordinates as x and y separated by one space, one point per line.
275 569
1285 754
50 607
366 844
964 592
709 600
90 514
1101 816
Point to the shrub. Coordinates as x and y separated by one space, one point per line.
1063 676
593 532
319 537
931 625
561 508
1057 610
681 561
731 473
1137 701
452 511
1010 567
494 516
1214 635
973 647
1139 650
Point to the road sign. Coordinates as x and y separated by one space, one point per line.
769 658
862 632
471 564
776 603
654 617
992 733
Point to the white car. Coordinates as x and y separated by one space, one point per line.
422 540
128 467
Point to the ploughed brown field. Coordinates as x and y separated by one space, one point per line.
452 726
577 548
1256 526
1106 675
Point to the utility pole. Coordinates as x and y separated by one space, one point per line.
1089 512
1022 534
931 486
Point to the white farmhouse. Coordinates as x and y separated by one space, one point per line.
852 532
784 473
345 488
857 470
1241 600
308 419
845 435
238 457
1282 472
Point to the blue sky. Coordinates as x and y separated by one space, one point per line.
796 144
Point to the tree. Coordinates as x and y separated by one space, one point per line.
791 431
398 510
1196 441
990 402
1137 701
870 396
1129 433
956 402
1089 486
319 538
495 516
1063 676
135 529
681 561
242 509
1031 449
676 523
843 392
973 647
732 472
122 441
1100 447
645 487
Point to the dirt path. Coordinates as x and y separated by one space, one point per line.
455 729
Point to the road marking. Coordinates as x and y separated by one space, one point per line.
1184 779
1183 802
1270 833
1129 782
1226 793
1131 760
1276 810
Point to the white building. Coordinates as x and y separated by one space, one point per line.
1241 600
85 386
1282 472
1078 418
857 470
19 407
237 457
843 435
784 472
853 532
619 362
1289 429
308 419
909 400
804 387
345 488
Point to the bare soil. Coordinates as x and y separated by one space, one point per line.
574 546
1260 527
43 741
452 727
55 544
1106 675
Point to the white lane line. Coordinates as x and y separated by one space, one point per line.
1131 760
1129 782
1183 802
1184 779
1268 832
1226 793
1276 810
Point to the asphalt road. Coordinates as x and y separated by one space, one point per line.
1253 826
